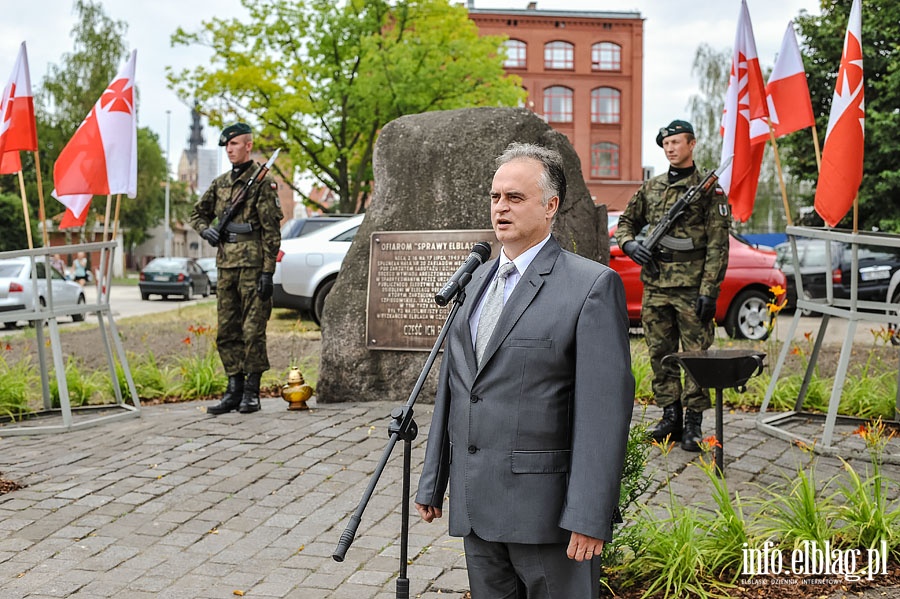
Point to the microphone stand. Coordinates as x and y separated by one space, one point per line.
402 427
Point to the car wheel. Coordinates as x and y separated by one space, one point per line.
43 303
9 325
319 300
206 290
806 311
145 296
188 292
79 317
165 296
748 317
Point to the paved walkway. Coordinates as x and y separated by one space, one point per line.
178 504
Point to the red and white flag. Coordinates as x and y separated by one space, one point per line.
101 157
17 126
787 93
745 100
842 156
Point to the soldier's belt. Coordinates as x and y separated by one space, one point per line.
236 237
681 256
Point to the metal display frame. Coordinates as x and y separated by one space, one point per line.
43 421
829 307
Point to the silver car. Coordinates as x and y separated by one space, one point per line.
212 271
16 289
307 266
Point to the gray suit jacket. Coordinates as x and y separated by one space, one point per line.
533 443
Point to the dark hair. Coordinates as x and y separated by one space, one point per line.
552 180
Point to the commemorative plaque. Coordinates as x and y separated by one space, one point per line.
406 270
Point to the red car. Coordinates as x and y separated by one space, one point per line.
744 296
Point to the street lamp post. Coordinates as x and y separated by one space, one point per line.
168 244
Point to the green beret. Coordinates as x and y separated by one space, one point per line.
674 128
232 131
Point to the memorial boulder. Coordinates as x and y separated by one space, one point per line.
433 172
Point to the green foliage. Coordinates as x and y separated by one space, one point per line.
822 38
82 387
675 555
15 382
12 231
201 375
803 514
151 381
321 78
867 516
643 373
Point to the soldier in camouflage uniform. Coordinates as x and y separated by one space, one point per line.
679 304
247 250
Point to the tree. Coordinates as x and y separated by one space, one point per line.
822 38
12 234
62 100
713 70
321 78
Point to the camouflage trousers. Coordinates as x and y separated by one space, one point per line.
242 321
669 319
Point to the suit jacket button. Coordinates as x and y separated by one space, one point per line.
474 399
472 449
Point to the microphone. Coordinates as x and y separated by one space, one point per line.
481 251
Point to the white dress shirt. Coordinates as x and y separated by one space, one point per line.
522 262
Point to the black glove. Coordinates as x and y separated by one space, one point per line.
705 308
210 234
265 286
637 252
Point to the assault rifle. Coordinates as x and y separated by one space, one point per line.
652 241
243 193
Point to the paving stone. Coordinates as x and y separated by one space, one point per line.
179 505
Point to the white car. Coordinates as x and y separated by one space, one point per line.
307 266
16 289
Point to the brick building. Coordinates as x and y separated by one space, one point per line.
583 71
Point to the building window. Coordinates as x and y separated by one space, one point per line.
606 105
558 104
606 56
515 54
559 55
604 159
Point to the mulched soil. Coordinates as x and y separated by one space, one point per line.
165 340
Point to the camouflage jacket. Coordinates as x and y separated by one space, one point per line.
262 211
704 226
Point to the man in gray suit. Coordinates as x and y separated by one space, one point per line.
534 401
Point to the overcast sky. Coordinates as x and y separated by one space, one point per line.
672 32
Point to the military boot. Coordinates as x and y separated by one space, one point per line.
250 402
232 398
669 425
692 435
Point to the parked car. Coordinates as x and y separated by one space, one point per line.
298 227
212 271
16 288
742 306
174 276
307 266
877 266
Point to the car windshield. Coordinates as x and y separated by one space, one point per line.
165 264
207 263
